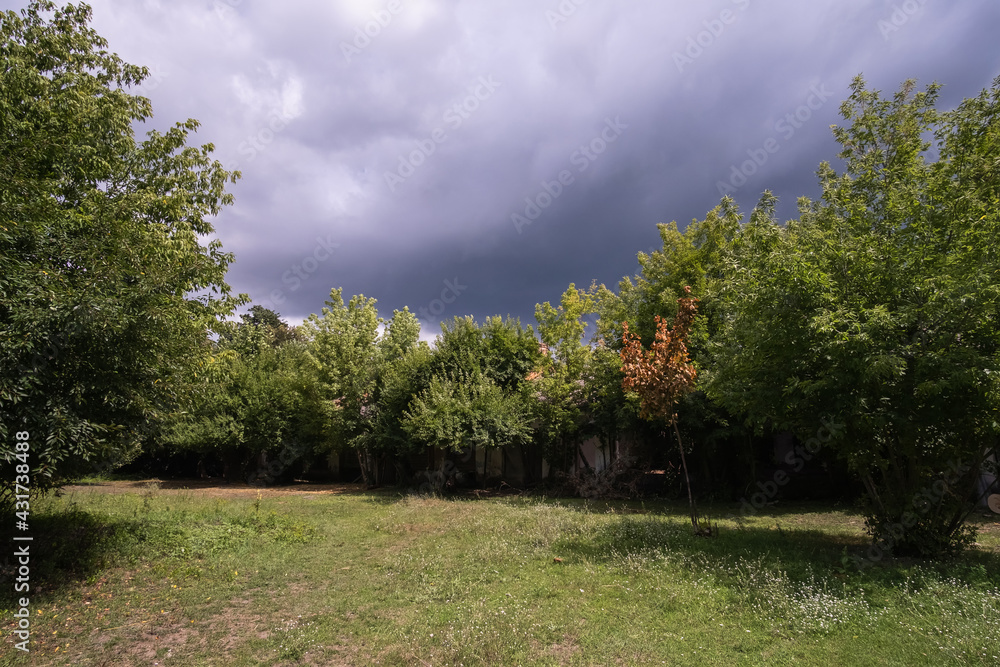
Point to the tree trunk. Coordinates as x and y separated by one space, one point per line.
687 479
364 468
583 459
528 477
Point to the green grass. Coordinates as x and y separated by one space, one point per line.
184 578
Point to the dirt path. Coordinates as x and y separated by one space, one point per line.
214 488
988 523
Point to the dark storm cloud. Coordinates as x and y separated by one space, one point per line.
385 146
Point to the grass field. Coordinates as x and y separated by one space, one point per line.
136 574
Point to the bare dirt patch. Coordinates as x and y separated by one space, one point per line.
565 650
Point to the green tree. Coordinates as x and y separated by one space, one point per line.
253 405
401 379
501 350
277 330
106 293
692 258
463 410
724 459
343 344
401 334
559 406
879 308
362 363
470 393
510 352
399 372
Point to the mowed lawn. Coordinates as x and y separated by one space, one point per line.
136 574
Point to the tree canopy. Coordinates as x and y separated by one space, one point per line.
879 308
106 292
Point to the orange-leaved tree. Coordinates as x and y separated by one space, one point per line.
663 374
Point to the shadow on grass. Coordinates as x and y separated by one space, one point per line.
800 552
71 546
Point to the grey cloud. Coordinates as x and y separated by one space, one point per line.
352 118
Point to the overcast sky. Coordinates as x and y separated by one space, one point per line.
477 157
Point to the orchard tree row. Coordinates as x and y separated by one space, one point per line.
872 317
